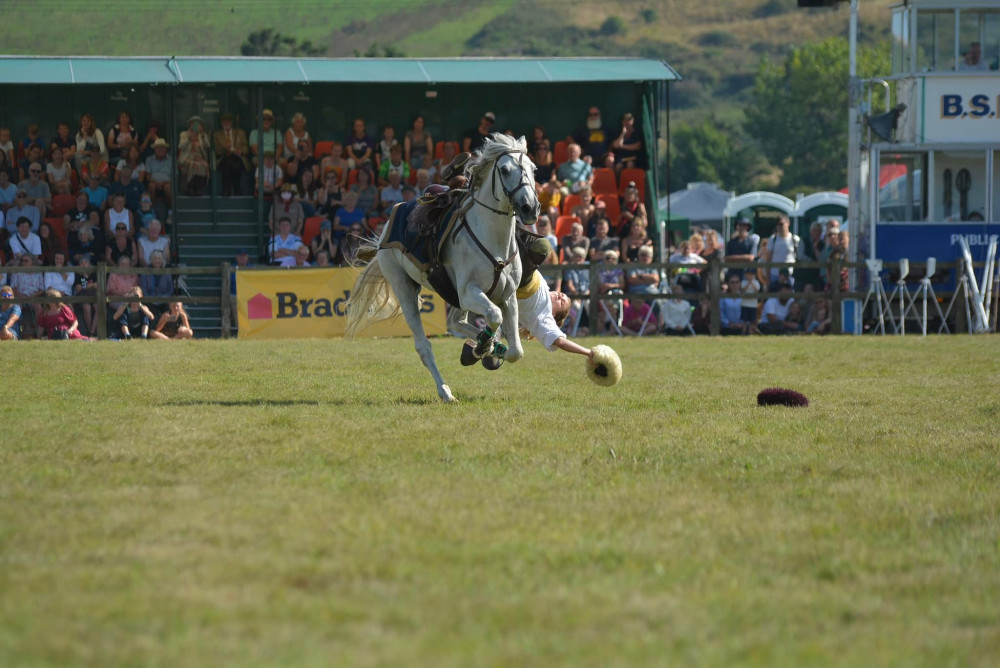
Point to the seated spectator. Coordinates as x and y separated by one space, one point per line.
87 242
749 287
392 193
64 141
85 285
687 277
637 239
334 163
27 286
644 279
474 139
360 145
58 171
775 312
128 187
600 213
701 316
7 147
154 131
57 320
308 194
283 244
94 165
160 171
274 177
295 136
731 309
8 191
627 146
594 140
575 239
409 193
132 319
10 315
601 242
366 191
192 157
394 163
22 209
37 189
145 214
268 140
288 207
575 173
794 320
300 162
418 145
173 325
330 196
300 259
87 138
448 153
121 245
383 150
423 180
819 318
677 314
632 206
576 285
26 243
154 241
586 208
323 259
349 245
132 160
544 228
35 155
33 140
347 215
119 284
539 138
231 155
96 193
121 137
634 315
51 244
324 241
549 198
118 214
611 278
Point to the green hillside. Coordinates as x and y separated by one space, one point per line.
714 44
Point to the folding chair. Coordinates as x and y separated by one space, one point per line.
604 181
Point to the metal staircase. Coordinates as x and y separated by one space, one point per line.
207 236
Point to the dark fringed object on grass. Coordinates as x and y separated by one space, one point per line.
777 396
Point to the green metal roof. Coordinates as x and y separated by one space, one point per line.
155 70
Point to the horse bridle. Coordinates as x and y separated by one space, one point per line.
498 265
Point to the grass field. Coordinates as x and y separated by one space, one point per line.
311 503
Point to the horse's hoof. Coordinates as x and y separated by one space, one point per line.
469 353
491 363
446 395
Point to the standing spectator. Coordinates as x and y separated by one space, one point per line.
594 140
810 250
284 243
231 148
366 191
192 157
637 239
37 189
85 286
575 173
22 209
57 320
781 248
627 146
10 315
274 177
575 239
154 241
359 144
295 135
288 207
121 136
121 245
83 214
775 312
128 187
474 139
418 145
88 137
57 172
173 325
335 164
132 318
132 160
383 150
268 140
299 162
731 311
117 215
743 246
24 242
601 242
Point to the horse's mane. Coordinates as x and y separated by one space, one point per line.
496 145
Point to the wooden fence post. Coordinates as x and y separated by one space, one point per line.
714 293
102 300
833 275
225 301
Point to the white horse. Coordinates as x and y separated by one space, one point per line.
479 255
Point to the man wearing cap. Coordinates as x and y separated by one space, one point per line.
37 189
231 148
743 246
261 142
476 137
22 209
160 168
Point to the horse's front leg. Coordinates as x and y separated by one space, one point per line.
474 300
511 331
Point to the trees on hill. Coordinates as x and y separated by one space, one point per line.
268 42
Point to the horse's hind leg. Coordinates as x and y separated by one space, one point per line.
407 294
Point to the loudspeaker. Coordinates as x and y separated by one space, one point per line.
883 125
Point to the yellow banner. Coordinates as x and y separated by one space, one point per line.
310 303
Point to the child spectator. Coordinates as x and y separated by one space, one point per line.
749 286
393 163
96 193
173 325
58 321
324 241
819 319
84 285
273 176
385 146
132 318
794 319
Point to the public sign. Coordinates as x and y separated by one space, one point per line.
311 303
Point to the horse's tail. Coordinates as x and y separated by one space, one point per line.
372 300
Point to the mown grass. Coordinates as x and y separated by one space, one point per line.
312 503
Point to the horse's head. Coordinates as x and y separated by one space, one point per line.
506 172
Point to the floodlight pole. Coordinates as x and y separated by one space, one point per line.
854 95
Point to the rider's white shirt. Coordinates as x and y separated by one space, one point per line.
535 315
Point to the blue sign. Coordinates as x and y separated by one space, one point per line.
918 242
